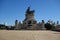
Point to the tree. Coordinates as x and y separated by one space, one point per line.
48 26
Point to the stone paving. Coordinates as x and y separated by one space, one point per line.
28 35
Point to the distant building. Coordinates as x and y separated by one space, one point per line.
16 24
57 27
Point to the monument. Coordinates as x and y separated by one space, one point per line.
30 22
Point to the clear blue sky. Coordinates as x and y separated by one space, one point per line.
10 10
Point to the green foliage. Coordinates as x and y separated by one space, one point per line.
2 26
49 26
